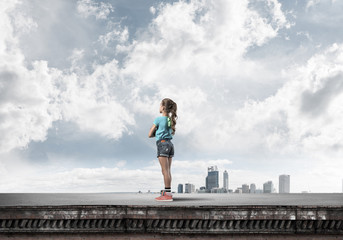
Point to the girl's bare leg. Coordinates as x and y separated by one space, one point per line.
170 162
164 161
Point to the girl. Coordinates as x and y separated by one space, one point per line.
163 129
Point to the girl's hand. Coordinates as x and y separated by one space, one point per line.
152 131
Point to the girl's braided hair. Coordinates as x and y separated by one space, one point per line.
171 108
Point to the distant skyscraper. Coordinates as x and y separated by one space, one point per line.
189 188
180 188
268 187
284 184
245 188
225 180
212 179
252 188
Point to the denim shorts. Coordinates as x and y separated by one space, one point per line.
165 148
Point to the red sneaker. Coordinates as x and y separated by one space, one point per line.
165 197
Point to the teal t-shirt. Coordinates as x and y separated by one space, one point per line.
163 131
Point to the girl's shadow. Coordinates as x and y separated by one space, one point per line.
176 199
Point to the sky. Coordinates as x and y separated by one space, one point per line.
258 85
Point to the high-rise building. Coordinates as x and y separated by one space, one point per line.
268 187
180 188
225 180
284 183
212 179
189 188
252 188
245 188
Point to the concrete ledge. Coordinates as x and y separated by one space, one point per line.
198 216
173 219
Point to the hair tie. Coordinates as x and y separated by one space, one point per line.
169 123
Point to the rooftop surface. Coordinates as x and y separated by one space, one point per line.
145 199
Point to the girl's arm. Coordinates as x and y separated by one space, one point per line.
152 131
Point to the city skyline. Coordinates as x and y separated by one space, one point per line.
212 184
284 185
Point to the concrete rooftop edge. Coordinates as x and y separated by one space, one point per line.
173 219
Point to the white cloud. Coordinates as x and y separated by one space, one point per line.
306 34
304 113
14 170
76 56
204 38
117 34
31 99
88 8
152 10
26 96
279 17
95 102
27 105
312 3
24 24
